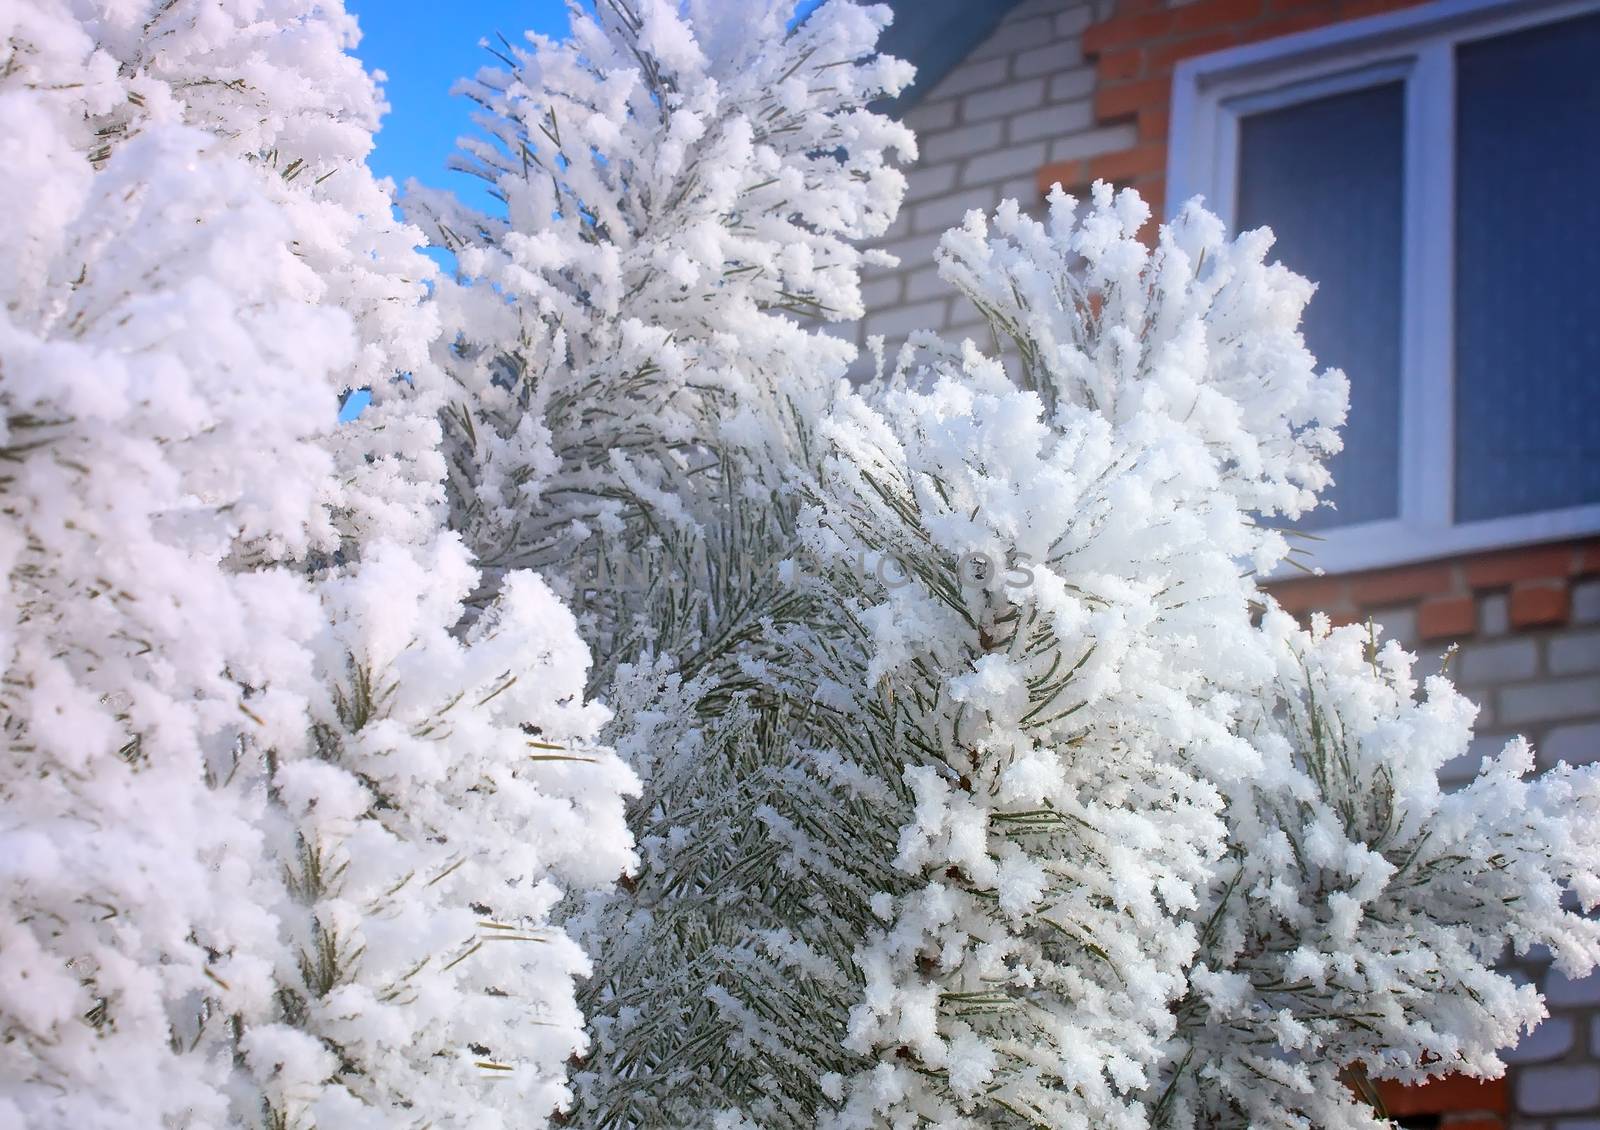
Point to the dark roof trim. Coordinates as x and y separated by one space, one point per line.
936 35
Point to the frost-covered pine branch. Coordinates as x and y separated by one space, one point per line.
1178 862
280 843
982 783
681 184
968 734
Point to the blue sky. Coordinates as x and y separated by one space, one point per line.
424 46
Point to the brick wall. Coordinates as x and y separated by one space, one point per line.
1520 628
1022 98
1074 90
1520 632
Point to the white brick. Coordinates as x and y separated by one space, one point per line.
1024 190
1538 954
895 324
1561 991
1397 624
880 292
931 114
1052 121
899 229
1092 143
1586 602
1578 1124
925 283
1558 1090
1430 661
978 330
1012 98
913 252
1550 1040
844 331
1549 700
964 141
972 74
1037 8
1003 163
1494 616
1074 20
1048 59
948 211
1076 83
1459 770
1501 662
1576 745
1015 35
1574 654
930 180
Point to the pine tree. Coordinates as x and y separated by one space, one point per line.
984 784
1180 862
681 185
281 840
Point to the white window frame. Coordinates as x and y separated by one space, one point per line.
1416 45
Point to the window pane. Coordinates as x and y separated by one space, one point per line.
1528 271
1326 176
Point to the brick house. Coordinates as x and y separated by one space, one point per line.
1433 166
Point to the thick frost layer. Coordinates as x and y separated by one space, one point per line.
277 847
1178 861
681 182
983 785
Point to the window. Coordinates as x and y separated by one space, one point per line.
1437 172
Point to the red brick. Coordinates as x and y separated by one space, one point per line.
1356 9
1443 1096
1154 125
1589 558
1471 1122
1209 14
1154 191
1292 22
1391 586
1535 563
1309 595
1447 617
1119 66
1129 98
1070 175
1326 7
1124 166
1126 31
1162 56
1540 604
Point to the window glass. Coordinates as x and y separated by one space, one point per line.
1527 334
1325 175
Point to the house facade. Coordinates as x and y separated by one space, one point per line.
1434 167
